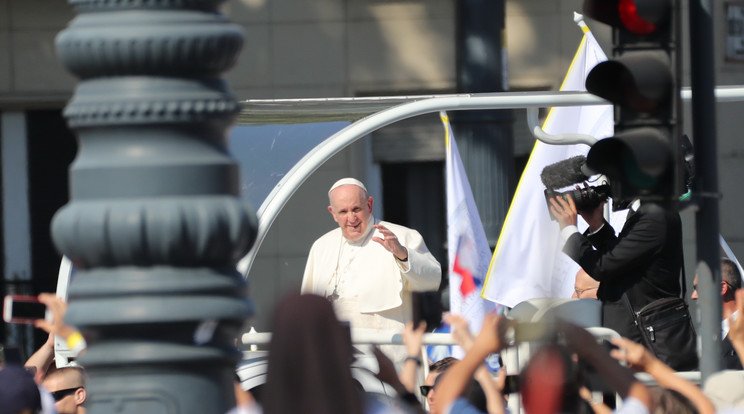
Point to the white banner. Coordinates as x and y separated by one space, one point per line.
528 262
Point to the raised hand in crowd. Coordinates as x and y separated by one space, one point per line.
41 360
460 331
634 354
598 406
641 359
58 308
388 375
457 378
620 379
413 339
492 387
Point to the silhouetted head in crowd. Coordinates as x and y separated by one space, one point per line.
435 370
671 402
550 383
730 274
730 282
309 360
18 391
474 394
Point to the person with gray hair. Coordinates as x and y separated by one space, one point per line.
367 268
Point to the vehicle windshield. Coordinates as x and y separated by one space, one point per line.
272 136
267 152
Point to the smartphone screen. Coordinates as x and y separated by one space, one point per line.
22 309
511 385
427 307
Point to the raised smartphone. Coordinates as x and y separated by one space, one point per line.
427 307
23 309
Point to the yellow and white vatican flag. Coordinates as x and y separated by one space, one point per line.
527 262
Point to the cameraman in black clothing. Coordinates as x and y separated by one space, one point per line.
643 261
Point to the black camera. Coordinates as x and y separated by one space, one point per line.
586 198
570 172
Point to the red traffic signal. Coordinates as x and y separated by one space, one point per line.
640 17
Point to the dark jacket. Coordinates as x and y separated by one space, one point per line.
729 357
643 261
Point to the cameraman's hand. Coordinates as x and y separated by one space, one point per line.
563 211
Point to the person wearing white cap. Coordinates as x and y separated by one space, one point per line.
368 268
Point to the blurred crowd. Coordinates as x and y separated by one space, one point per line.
571 372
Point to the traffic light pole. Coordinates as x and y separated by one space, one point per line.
705 187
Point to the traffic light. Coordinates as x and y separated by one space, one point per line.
643 82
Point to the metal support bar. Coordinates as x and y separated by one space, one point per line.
393 338
555 139
370 338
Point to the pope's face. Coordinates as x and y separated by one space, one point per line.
351 209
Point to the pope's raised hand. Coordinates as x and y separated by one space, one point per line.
390 242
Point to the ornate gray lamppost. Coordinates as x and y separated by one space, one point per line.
154 226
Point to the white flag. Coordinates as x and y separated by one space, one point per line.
468 249
528 262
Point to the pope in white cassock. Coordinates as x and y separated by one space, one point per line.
368 268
